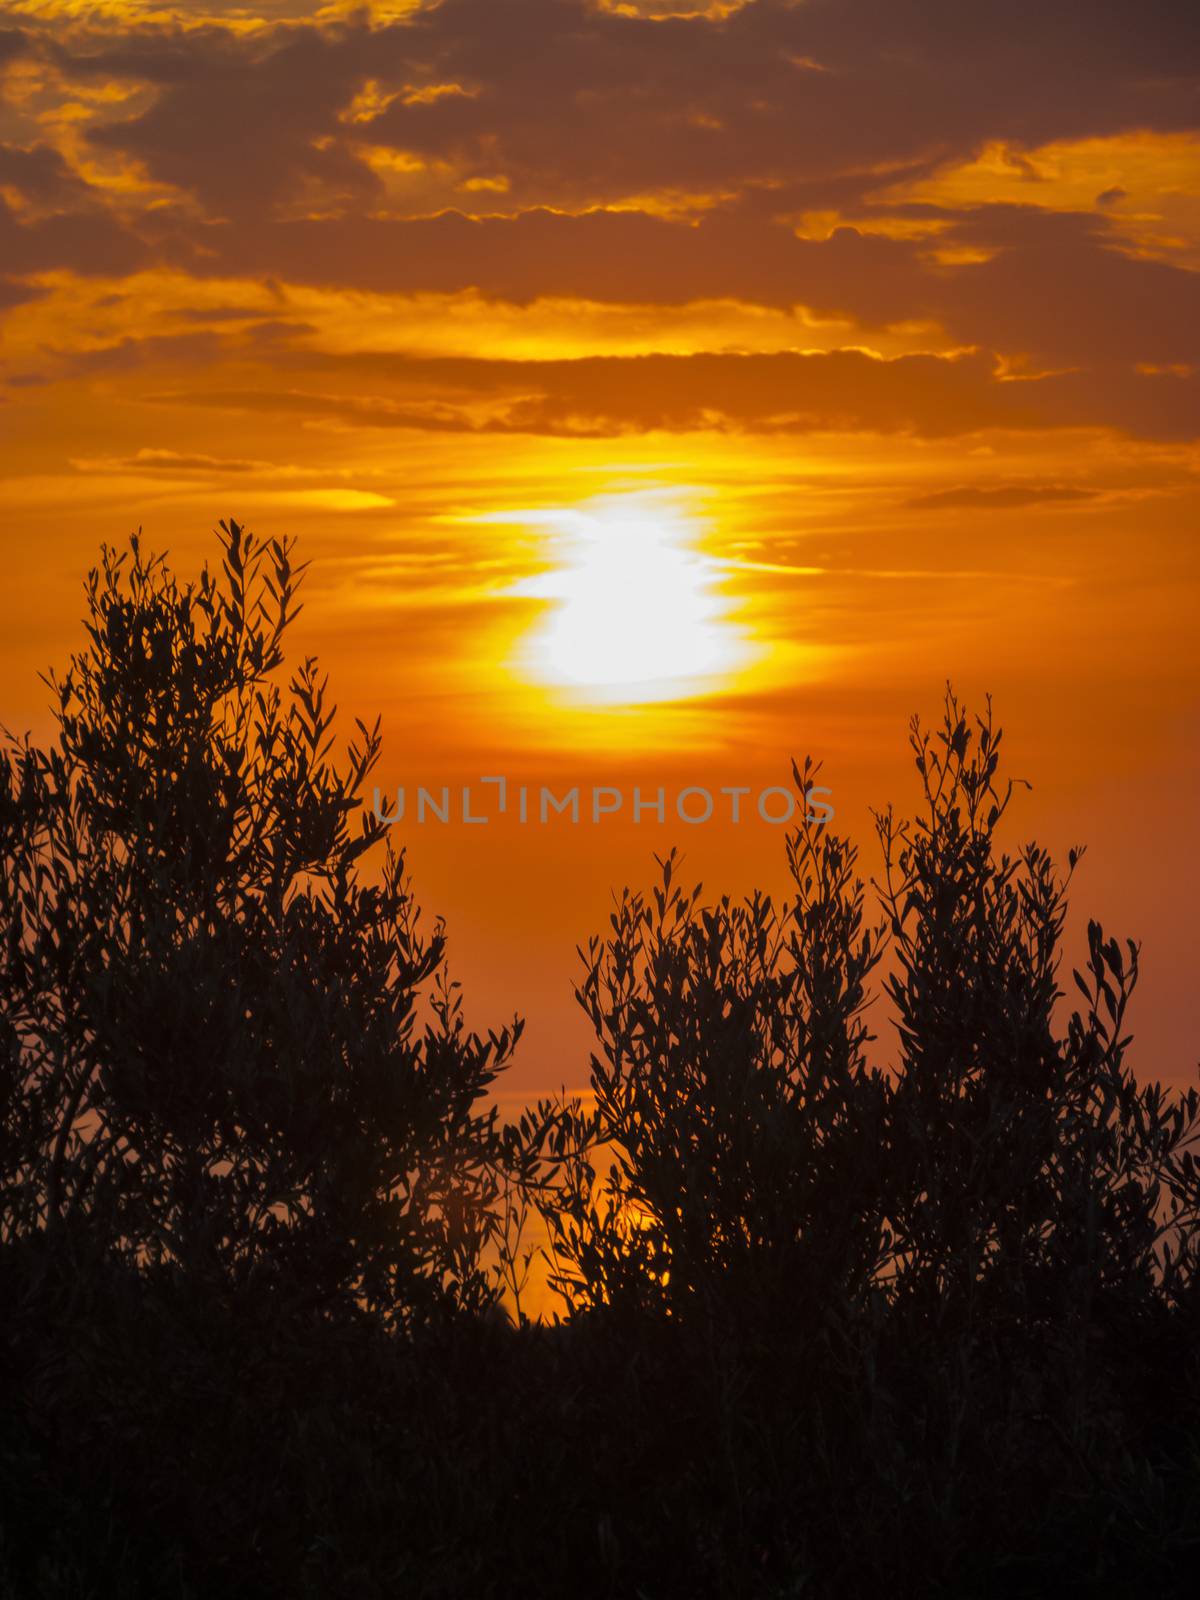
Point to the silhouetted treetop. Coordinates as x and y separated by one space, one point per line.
214 1012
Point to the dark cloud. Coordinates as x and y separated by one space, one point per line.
203 347
240 125
219 313
12 44
133 352
838 391
573 104
274 331
1000 497
1057 288
578 106
90 244
13 293
151 460
41 175
771 111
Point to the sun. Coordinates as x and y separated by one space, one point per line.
637 611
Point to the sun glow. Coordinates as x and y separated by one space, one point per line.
638 614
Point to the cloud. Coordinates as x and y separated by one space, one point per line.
1000 497
13 43
1059 289
132 352
202 348
1052 287
40 174
90 244
784 393
574 105
13 293
238 123
607 105
243 313
150 460
658 9
636 155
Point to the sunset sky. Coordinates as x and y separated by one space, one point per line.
659 391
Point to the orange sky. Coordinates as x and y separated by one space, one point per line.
828 349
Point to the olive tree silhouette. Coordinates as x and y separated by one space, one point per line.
1005 1173
1031 1162
212 1053
931 1301
1043 1201
732 1096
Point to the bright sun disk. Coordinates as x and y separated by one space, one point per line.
636 606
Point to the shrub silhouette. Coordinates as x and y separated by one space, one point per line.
1002 1170
214 1063
732 1091
1027 1165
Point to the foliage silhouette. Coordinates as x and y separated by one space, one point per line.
210 1016
1028 1168
825 1325
733 1092
997 1166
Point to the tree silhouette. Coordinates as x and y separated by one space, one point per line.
732 1091
1028 1166
1001 1175
828 1324
214 1060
